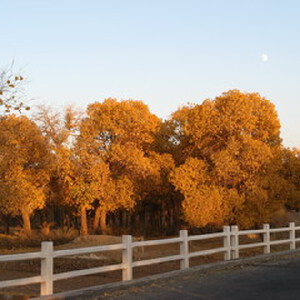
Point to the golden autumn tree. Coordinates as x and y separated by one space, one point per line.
233 144
84 179
60 129
119 193
76 178
24 168
291 174
158 193
122 134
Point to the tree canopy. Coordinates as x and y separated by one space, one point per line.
24 168
230 143
215 163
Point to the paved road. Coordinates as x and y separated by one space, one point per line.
269 281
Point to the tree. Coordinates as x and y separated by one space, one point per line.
24 168
291 174
61 130
122 134
231 145
84 180
11 92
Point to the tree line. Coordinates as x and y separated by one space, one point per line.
118 166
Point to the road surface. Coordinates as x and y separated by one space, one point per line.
270 280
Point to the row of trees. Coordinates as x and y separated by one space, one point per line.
213 163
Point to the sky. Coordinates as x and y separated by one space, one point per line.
165 53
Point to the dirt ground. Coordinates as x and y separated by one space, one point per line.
13 270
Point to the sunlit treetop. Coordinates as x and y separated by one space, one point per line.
236 115
125 121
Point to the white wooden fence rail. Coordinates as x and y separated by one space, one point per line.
231 248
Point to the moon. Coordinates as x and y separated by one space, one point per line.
264 57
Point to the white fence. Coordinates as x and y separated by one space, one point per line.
231 248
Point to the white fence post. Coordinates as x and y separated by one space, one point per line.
266 238
226 242
184 249
234 242
127 257
47 268
292 236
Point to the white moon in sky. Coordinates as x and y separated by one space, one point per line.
264 57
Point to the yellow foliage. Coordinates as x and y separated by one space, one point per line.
125 121
123 134
230 147
291 175
204 202
24 166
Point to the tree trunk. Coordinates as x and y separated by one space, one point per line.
96 218
171 218
7 223
5 220
26 222
123 219
84 225
103 221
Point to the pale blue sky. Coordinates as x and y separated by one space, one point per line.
166 53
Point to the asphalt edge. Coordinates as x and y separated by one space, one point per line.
121 285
